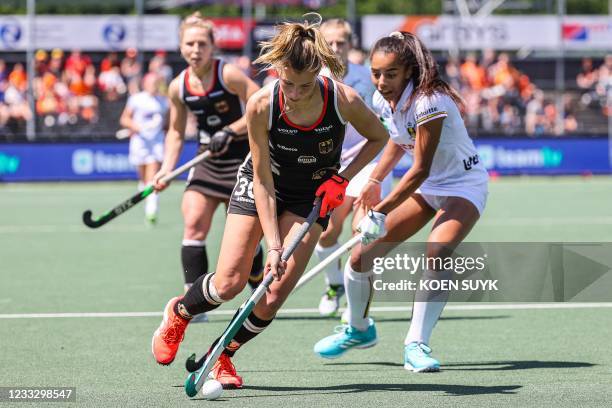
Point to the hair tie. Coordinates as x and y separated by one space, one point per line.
397 34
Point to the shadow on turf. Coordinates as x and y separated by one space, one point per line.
391 319
449 389
515 365
488 365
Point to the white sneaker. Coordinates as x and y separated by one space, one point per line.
330 302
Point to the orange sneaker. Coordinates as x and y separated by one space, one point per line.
225 372
168 336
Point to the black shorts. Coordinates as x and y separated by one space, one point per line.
216 176
242 202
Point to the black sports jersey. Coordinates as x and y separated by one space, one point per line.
215 108
302 157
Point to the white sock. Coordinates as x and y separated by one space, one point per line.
358 287
425 315
333 273
151 204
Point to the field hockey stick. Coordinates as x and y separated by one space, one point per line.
308 276
199 370
141 195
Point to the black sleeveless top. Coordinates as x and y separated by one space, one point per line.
303 157
215 108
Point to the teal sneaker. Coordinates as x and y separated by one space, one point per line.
346 338
417 359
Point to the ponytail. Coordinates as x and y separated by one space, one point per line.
302 47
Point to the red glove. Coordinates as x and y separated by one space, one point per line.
333 191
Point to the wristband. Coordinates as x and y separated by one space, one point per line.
373 180
277 249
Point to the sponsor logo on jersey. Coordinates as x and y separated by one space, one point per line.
191 98
198 112
287 131
216 93
221 106
323 129
326 146
213 120
289 149
307 159
470 162
426 112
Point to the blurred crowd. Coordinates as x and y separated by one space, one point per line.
502 99
71 92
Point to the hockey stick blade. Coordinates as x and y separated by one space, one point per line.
117 210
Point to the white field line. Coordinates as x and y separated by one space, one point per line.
390 309
502 221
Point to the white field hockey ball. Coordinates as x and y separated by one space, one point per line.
212 389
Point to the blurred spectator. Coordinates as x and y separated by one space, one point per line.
473 74
77 62
130 70
604 85
159 65
587 77
17 108
111 84
56 63
40 62
358 56
453 74
109 62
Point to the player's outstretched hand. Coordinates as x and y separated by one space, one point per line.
372 227
159 185
219 142
275 264
369 196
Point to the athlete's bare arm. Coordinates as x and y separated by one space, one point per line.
257 113
240 84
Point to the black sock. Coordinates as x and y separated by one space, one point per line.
251 327
196 301
256 275
195 262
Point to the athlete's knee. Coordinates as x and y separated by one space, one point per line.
438 250
274 301
195 227
228 287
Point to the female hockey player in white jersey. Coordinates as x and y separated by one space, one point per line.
339 35
446 183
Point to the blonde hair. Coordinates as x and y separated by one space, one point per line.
197 20
339 23
302 47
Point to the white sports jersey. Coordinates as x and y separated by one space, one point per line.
455 163
149 112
